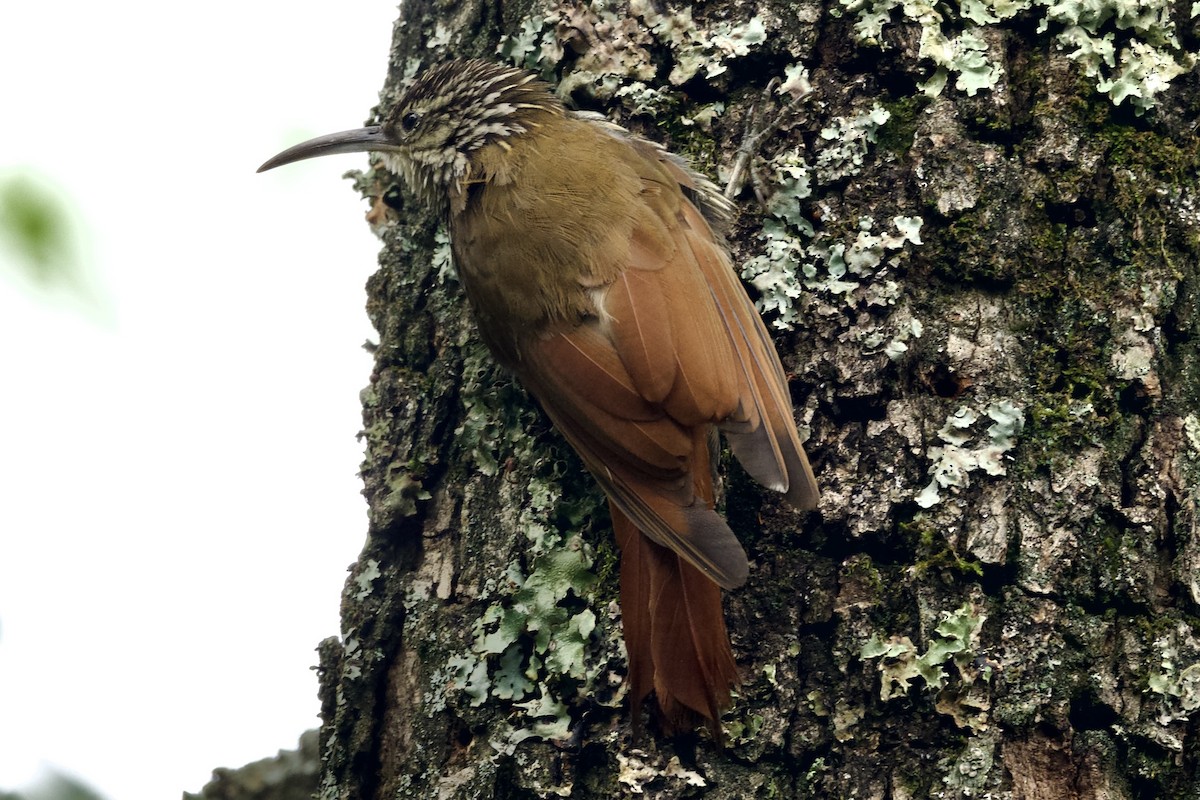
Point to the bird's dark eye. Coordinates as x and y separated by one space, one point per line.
392 198
410 121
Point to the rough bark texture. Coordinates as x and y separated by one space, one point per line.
998 595
290 775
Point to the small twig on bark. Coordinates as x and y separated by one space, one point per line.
752 138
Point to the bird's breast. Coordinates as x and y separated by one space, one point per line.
540 227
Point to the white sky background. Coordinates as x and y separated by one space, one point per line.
178 489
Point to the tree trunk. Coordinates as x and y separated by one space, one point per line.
985 293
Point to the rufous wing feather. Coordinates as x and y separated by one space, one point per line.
642 458
772 434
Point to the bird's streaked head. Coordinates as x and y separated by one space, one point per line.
449 112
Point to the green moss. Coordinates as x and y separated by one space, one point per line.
934 555
968 245
896 135
606 564
1149 150
1146 169
865 573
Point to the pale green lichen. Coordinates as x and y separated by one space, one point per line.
645 100
745 730
533 630
1148 62
796 259
617 46
817 703
963 53
492 422
403 492
788 266
694 47
793 180
900 664
470 676
846 716
523 47
365 579
530 629
441 36
954 641
1092 31
552 722
443 257
795 82
898 345
1191 428
566 655
845 142
354 658
955 460
553 715
972 769
704 116
635 772
1178 688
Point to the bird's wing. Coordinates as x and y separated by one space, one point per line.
676 346
763 434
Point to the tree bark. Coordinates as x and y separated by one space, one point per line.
986 300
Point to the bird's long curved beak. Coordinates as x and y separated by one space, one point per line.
359 140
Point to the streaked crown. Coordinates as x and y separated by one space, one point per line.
452 110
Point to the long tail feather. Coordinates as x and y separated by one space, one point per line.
635 613
674 625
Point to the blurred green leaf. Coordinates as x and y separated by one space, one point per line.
36 227
56 786
42 246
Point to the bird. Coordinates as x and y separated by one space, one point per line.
596 269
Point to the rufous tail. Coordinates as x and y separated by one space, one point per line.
674 633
